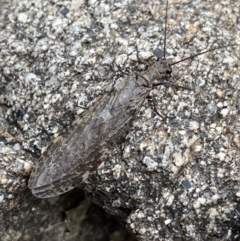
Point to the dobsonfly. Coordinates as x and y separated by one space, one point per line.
78 152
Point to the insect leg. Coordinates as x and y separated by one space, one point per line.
172 84
154 104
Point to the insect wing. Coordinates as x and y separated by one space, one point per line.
78 152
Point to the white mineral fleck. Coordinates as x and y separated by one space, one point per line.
193 125
142 146
215 197
30 77
27 167
17 147
3 180
142 231
198 148
224 112
150 163
22 17
170 200
167 221
219 93
114 26
221 156
1 197
178 159
55 98
145 55
120 59
55 130
200 201
117 171
213 213
220 105
126 152
140 215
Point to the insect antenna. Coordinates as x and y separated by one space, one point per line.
165 31
189 57
203 52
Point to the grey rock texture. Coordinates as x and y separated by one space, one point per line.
175 177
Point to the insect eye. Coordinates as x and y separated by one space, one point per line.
169 71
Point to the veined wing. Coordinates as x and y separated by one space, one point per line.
78 152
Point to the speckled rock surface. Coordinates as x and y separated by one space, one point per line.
173 178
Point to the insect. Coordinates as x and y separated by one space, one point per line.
75 154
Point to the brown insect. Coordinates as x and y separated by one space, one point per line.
78 152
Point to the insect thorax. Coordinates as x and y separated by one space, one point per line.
156 71
163 66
